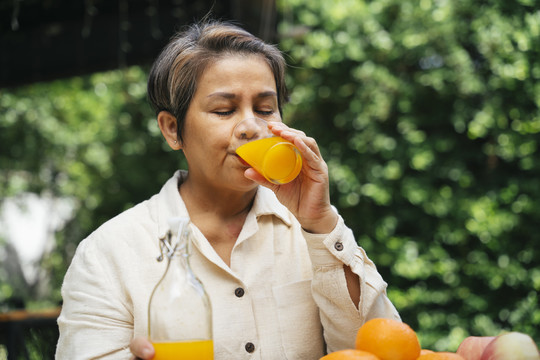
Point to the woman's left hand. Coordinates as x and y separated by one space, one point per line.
307 196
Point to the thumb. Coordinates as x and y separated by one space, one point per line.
141 348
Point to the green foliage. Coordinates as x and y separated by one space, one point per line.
427 113
91 139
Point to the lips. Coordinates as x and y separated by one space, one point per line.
242 161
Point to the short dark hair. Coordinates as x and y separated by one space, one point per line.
173 77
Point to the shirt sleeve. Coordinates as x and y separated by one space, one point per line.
94 323
340 317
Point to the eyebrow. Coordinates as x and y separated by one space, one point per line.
267 94
227 95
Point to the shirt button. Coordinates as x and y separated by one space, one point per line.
239 292
338 246
250 347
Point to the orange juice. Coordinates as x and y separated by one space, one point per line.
188 350
275 158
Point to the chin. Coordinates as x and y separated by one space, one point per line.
247 185
239 182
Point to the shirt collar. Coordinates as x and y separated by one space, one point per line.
169 202
266 203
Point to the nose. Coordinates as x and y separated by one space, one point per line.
250 129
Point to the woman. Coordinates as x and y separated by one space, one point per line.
284 274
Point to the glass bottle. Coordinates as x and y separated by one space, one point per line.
179 311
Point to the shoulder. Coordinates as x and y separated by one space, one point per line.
140 222
133 220
128 224
136 231
125 238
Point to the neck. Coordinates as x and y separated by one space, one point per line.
219 213
223 203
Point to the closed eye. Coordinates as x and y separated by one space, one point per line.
265 113
224 113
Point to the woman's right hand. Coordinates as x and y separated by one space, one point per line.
141 348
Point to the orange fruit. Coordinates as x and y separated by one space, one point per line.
426 351
441 356
349 354
388 339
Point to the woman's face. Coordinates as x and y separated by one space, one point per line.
233 88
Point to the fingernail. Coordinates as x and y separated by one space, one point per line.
147 352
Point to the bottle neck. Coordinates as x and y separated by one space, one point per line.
176 248
180 254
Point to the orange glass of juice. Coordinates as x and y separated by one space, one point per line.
185 350
277 159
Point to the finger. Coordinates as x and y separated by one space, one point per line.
254 175
312 144
293 135
141 348
279 127
309 150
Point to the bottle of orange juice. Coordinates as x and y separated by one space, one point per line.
179 311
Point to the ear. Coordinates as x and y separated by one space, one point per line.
168 126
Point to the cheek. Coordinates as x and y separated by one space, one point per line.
206 132
207 141
193 133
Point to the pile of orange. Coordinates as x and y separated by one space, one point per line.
387 339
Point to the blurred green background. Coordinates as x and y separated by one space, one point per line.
427 113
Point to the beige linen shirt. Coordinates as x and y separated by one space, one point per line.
294 302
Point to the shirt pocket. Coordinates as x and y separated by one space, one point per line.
299 321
